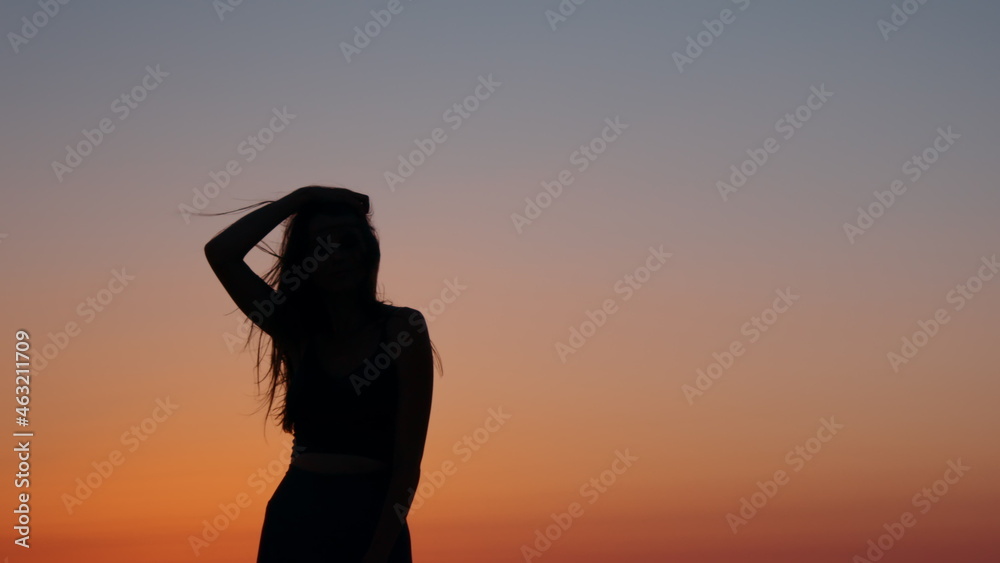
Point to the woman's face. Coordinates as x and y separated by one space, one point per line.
338 249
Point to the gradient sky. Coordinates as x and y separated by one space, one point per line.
826 357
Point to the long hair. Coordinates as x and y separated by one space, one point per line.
302 303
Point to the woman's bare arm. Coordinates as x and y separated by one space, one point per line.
415 370
226 252
236 240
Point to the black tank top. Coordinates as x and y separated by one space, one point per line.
350 414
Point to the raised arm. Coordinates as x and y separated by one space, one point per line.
226 252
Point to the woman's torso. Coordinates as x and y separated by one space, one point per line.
339 377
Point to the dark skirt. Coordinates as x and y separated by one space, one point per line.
315 517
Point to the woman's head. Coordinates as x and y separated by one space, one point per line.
329 248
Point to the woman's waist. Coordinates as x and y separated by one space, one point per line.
339 463
336 452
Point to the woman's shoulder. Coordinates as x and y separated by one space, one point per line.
395 313
403 318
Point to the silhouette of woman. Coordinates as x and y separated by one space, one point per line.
355 374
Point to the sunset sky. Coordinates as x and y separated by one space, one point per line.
728 271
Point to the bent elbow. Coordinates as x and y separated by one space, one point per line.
213 252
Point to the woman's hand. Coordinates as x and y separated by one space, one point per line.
322 194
